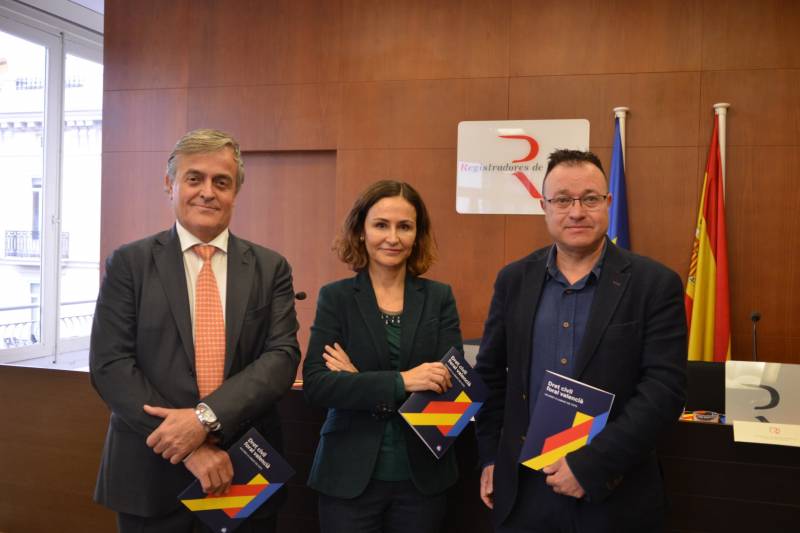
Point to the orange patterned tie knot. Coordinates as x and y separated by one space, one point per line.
209 326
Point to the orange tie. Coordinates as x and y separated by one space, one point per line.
209 326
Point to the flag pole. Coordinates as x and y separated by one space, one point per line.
621 113
721 110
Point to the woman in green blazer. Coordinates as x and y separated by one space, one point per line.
376 338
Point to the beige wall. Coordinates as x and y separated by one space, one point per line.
327 96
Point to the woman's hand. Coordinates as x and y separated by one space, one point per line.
337 360
427 376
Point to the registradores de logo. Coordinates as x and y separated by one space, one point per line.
501 164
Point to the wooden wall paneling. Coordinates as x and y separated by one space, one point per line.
285 204
145 44
417 114
663 107
143 120
589 37
417 39
690 515
284 62
663 190
523 235
765 106
772 348
763 237
255 42
270 117
745 34
746 486
559 97
50 459
133 201
470 247
709 479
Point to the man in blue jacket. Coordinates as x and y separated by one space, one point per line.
585 309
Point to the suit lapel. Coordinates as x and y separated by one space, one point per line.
239 282
526 314
168 259
413 303
610 288
368 307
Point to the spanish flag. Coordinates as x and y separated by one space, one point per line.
708 310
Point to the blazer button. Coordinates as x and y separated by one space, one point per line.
522 437
524 396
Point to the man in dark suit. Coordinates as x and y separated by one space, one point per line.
193 343
599 314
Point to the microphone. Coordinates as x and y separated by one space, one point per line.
300 295
755 316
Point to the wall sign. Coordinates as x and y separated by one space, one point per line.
501 163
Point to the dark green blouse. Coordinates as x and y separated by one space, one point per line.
392 464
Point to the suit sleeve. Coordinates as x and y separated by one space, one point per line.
249 393
656 401
342 390
491 366
112 352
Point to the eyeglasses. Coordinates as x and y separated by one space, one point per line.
590 201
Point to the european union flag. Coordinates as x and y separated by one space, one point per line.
618 222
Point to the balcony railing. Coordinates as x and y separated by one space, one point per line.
27 244
17 333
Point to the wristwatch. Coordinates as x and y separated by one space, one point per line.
207 417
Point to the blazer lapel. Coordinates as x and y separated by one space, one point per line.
413 303
610 288
368 307
168 259
527 304
239 282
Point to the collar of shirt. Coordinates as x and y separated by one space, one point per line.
554 273
188 240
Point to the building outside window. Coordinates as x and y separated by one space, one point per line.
51 91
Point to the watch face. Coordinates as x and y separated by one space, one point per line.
206 415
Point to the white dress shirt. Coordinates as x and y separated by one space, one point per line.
192 263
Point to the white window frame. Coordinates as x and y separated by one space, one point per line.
59 37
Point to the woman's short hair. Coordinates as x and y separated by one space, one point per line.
349 245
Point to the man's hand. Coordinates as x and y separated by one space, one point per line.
178 435
561 479
487 486
212 467
337 360
427 376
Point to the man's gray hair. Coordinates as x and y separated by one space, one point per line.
204 141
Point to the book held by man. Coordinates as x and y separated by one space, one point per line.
258 472
567 416
439 418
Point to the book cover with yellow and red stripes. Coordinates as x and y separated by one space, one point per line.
439 418
258 472
568 415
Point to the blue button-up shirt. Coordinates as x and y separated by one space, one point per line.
560 323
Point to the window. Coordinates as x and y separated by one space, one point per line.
50 144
